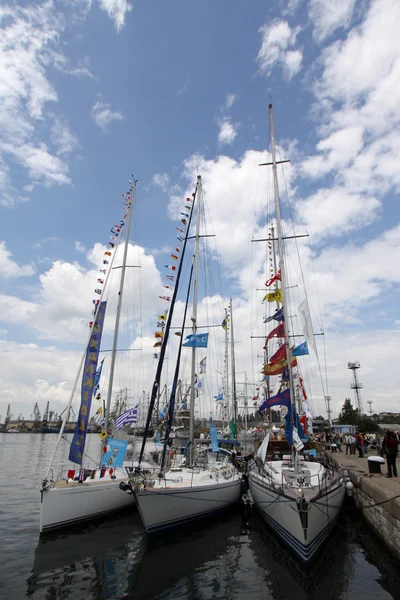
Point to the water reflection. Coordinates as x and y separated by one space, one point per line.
328 576
118 560
231 556
92 562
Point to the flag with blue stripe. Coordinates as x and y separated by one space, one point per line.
127 418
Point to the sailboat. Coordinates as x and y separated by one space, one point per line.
190 491
300 499
88 493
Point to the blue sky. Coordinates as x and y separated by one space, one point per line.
92 91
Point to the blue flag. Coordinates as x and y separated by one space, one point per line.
97 377
115 453
278 316
219 396
282 399
89 370
214 438
300 350
196 340
289 425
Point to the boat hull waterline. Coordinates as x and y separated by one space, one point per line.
62 506
281 512
164 507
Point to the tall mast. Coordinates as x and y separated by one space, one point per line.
226 373
234 399
118 316
280 251
194 318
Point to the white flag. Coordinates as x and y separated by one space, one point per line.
296 440
308 331
203 366
307 410
262 451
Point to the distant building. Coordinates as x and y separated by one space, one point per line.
393 426
339 428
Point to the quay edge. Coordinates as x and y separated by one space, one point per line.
376 497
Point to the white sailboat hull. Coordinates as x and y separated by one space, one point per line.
164 507
282 513
61 506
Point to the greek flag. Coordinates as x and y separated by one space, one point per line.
128 417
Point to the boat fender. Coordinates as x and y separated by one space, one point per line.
349 488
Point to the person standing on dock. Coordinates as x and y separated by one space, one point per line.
352 440
390 444
347 442
359 444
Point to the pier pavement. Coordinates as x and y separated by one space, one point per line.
376 496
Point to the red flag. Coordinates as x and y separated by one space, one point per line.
279 331
71 474
276 277
279 354
303 421
302 388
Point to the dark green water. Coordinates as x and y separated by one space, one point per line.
233 556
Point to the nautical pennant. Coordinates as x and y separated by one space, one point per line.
279 332
273 296
278 316
271 280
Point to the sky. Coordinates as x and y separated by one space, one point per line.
92 91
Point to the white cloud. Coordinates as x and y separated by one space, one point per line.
227 132
40 243
29 46
350 276
358 93
79 247
292 62
9 268
229 101
356 66
62 138
278 40
162 180
335 211
329 15
336 151
116 10
103 115
62 302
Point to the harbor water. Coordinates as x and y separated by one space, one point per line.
232 556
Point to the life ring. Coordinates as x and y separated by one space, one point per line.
103 435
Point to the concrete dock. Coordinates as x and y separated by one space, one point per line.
376 496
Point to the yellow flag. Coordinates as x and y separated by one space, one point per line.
273 296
